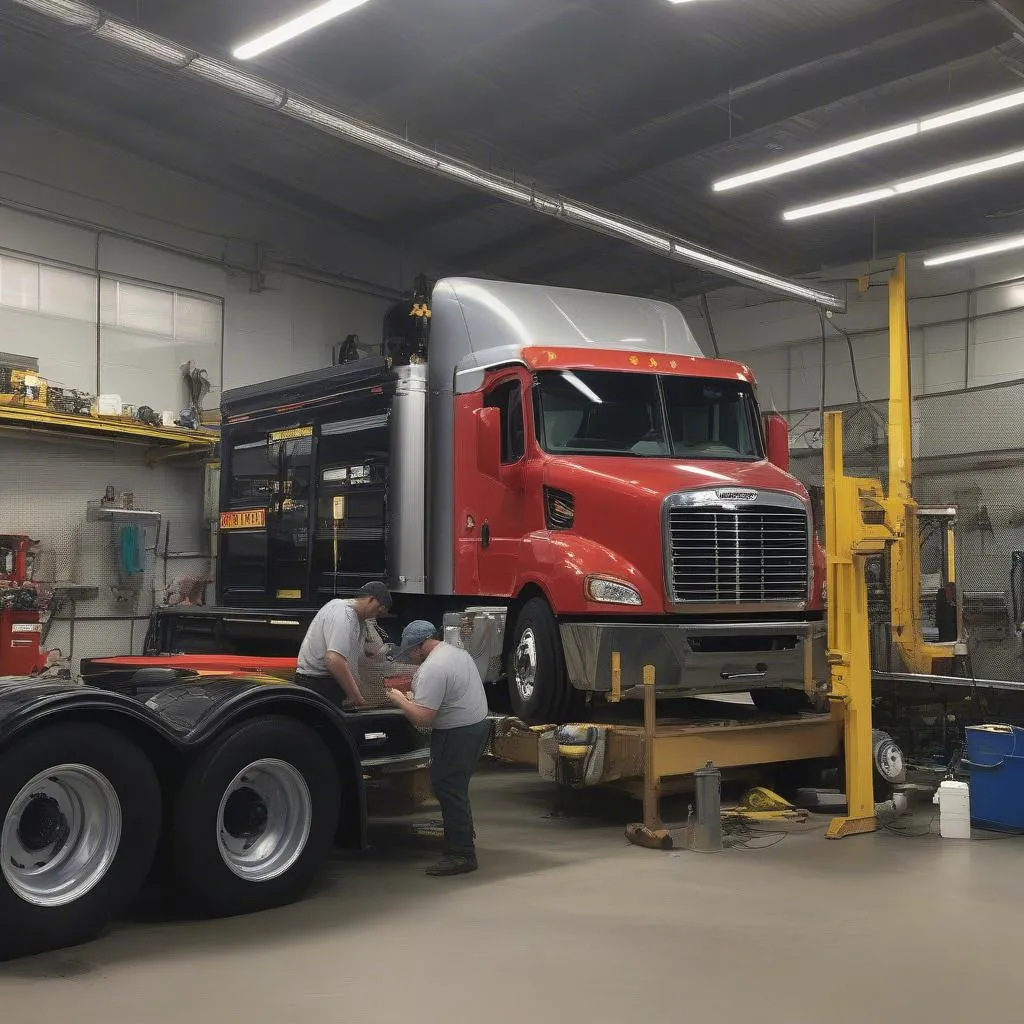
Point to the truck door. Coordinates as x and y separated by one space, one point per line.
289 518
264 521
504 502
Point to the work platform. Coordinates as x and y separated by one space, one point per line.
610 749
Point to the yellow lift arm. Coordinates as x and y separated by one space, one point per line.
901 508
861 520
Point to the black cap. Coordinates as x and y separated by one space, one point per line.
377 590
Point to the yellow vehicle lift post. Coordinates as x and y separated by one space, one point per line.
849 541
901 508
861 520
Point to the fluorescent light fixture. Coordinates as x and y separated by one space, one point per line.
993 106
842 203
314 18
984 108
818 156
923 181
975 251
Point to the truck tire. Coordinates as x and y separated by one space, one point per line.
79 824
255 817
539 691
781 701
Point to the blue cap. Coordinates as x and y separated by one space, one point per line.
415 635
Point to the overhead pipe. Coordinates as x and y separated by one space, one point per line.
173 56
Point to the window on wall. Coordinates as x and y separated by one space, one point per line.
57 291
147 332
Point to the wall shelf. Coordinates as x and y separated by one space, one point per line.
161 442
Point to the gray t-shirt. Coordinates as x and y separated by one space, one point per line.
448 682
336 627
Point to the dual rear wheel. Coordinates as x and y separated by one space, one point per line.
81 816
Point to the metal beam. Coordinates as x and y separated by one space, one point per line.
1010 12
174 58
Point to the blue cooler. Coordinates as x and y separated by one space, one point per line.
995 760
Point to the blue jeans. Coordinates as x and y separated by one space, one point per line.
454 754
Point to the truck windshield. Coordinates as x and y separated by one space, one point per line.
592 412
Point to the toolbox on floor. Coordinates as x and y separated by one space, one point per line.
995 760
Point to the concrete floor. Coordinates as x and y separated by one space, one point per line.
566 922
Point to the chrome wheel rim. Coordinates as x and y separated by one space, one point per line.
525 664
60 835
264 819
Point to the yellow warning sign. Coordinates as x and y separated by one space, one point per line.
245 519
291 432
339 506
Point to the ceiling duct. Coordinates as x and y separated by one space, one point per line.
174 57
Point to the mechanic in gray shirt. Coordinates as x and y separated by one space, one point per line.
448 697
335 641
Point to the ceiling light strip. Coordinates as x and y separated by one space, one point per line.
298 26
946 119
924 181
165 52
975 251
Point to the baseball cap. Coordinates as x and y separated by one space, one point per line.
377 590
415 635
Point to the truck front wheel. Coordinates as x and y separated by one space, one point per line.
255 817
538 688
79 823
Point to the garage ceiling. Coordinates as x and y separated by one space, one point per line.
633 105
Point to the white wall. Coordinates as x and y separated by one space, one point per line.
47 485
967 330
70 201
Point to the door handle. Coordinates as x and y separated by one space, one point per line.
485 536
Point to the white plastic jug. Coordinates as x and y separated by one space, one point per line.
954 800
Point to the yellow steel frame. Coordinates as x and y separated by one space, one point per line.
849 542
861 520
900 506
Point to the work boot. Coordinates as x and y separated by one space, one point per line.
452 864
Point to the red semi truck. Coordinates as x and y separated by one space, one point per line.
563 476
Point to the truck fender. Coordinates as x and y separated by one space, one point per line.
207 710
559 564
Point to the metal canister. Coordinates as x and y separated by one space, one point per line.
707 827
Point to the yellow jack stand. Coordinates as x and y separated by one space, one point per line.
651 832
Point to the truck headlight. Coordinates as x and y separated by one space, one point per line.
608 591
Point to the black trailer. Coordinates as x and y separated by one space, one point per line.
237 788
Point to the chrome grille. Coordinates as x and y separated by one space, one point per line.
755 555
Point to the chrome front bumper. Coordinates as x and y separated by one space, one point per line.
692 658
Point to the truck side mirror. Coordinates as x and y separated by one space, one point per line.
776 434
488 442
